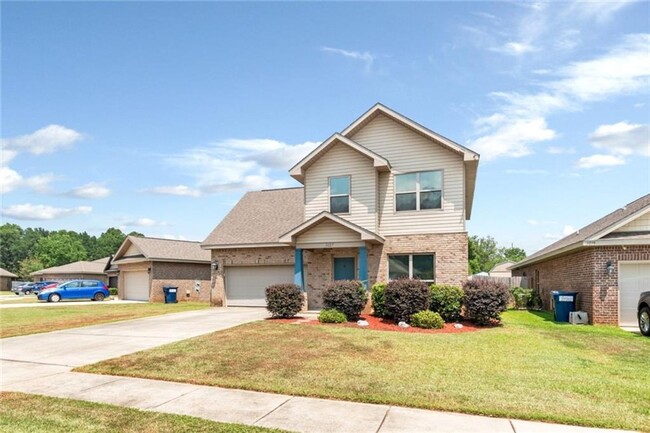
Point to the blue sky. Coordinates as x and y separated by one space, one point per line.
157 117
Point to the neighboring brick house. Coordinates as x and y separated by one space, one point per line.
146 265
607 262
6 278
385 198
82 270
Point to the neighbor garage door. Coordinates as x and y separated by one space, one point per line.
245 284
136 285
633 278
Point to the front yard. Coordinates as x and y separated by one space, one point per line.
26 413
530 368
32 320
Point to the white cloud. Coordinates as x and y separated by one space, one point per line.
599 161
366 57
90 190
179 190
11 180
515 48
597 10
512 137
520 122
45 140
567 230
145 222
235 165
551 236
29 211
559 150
622 138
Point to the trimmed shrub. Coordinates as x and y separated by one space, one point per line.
404 297
521 297
535 302
485 300
347 296
284 300
332 315
427 319
377 296
113 291
446 301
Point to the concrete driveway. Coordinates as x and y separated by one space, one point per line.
81 346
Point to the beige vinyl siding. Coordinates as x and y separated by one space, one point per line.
133 251
407 152
328 231
340 160
640 224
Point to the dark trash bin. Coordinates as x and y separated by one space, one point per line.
564 302
170 294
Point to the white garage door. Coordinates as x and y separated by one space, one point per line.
136 285
633 278
245 284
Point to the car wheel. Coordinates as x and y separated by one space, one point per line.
644 321
54 298
28 292
98 297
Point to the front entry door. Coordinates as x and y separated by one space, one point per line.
344 268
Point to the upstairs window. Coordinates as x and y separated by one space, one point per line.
340 194
418 191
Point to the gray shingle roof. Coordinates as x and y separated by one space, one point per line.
81 267
7 274
169 249
260 217
590 230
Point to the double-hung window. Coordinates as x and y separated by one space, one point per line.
418 191
340 194
420 266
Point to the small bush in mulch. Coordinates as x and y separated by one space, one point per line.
405 297
284 300
332 315
485 300
446 301
347 296
377 296
378 324
427 319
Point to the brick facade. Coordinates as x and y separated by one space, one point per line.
450 261
181 275
584 271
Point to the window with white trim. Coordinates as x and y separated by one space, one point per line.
339 194
420 266
418 191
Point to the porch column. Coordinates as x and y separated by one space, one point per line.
363 266
298 277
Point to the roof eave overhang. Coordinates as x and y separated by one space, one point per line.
289 238
244 245
550 255
298 171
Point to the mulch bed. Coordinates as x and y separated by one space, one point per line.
379 324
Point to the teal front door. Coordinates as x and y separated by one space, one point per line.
344 268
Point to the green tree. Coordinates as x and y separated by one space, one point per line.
27 266
60 248
513 254
10 238
90 244
108 242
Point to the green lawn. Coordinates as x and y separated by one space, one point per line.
26 413
529 368
32 320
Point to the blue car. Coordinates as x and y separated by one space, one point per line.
94 290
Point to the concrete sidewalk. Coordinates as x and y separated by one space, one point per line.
42 363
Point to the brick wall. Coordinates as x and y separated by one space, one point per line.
245 256
450 250
584 271
183 276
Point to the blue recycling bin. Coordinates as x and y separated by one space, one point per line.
564 302
170 294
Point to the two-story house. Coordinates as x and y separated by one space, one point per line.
385 198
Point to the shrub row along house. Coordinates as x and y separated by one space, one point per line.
607 262
383 199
